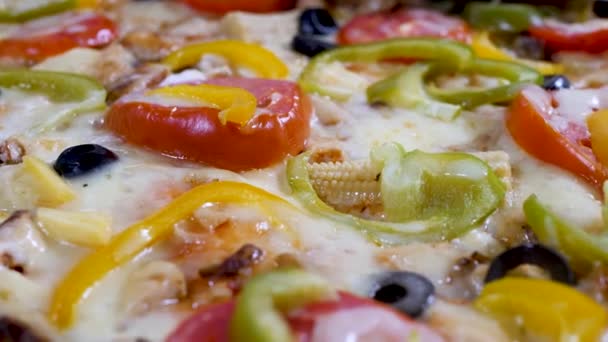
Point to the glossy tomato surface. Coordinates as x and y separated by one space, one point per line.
280 127
46 37
586 37
403 23
552 137
260 6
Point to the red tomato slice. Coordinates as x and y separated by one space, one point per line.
196 134
403 23
551 137
310 323
588 37
259 6
46 37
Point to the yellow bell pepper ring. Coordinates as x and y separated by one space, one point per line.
236 105
263 62
598 128
484 48
134 239
544 309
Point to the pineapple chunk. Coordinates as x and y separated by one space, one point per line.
51 190
79 228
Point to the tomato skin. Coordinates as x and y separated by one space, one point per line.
403 23
93 30
196 134
560 37
257 6
529 127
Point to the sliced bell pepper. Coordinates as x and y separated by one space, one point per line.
236 104
582 248
501 17
431 197
598 129
517 75
239 54
134 239
484 48
543 309
59 87
45 8
453 56
257 316
406 89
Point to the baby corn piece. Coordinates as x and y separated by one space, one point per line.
50 189
79 228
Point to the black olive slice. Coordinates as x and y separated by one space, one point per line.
537 255
82 159
316 21
408 292
556 82
309 45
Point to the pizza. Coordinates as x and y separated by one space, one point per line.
322 171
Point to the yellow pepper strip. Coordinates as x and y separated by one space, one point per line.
240 54
134 239
598 127
484 48
236 104
544 308
87 3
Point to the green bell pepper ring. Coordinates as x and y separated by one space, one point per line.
442 195
501 17
582 248
518 76
454 56
406 89
43 9
58 87
257 316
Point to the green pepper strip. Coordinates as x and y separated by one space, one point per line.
59 87
257 316
406 90
582 248
48 8
518 76
454 56
428 187
501 17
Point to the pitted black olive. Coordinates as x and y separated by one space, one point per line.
538 255
316 21
83 159
408 292
309 45
556 82
15 331
600 8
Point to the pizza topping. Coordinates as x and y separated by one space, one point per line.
243 258
402 23
49 189
408 292
556 82
309 45
261 6
598 133
259 60
11 152
16 12
30 44
501 16
600 8
280 127
83 159
582 248
316 21
12 330
22 245
58 87
537 255
134 239
590 36
425 196
257 315
80 228
543 309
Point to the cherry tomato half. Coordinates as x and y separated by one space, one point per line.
587 37
403 23
281 127
212 322
50 36
551 137
259 6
